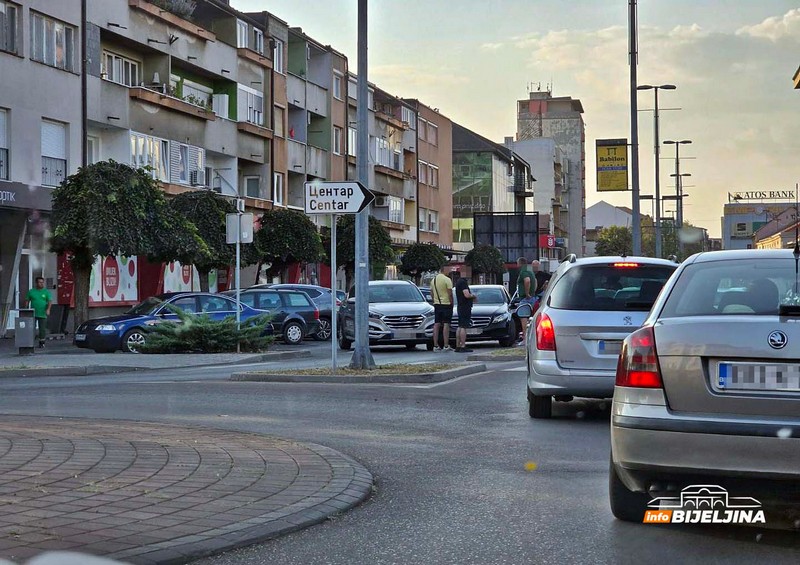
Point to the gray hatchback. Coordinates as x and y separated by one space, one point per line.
589 307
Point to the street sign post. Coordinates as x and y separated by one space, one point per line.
333 197
238 230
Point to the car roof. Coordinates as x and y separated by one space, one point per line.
396 281
168 295
738 254
487 286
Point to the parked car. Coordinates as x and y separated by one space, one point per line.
320 295
128 331
426 293
589 307
398 315
491 318
294 315
708 390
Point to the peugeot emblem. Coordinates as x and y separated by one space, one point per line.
777 339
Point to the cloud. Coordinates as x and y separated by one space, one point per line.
492 46
776 28
402 79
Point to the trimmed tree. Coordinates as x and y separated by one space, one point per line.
614 240
380 247
485 259
110 208
420 258
286 237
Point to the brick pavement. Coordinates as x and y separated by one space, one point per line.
157 493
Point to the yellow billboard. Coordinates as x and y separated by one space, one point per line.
612 165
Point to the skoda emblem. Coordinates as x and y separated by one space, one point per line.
777 339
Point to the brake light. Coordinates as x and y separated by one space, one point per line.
638 362
545 333
625 265
316 313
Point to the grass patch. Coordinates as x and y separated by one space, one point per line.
509 352
394 369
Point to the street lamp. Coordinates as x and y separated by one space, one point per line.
677 175
657 148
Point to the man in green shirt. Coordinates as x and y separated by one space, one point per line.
526 291
39 299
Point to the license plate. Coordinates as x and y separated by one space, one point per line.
781 377
609 347
474 331
80 337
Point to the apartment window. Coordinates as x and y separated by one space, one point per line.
396 212
119 69
9 16
251 187
220 104
352 141
279 112
422 129
53 42
3 145
383 152
337 140
54 153
197 94
153 152
258 40
183 163
433 175
93 148
337 86
277 181
433 134
433 221
241 34
409 116
422 175
423 219
250 105
277 56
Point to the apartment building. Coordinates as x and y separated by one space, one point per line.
40 137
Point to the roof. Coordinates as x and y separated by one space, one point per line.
741 254
466 140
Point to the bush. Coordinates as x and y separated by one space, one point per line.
182 8
200 334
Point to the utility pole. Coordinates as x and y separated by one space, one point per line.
633 61
678 185
362 357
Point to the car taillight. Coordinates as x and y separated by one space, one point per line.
638 362
316 313
625 265
338 302
545 333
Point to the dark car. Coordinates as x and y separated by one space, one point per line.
128 331
491 317
321 297
426 293
294 315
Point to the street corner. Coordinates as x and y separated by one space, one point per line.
419 373
155 493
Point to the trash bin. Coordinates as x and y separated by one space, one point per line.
25 331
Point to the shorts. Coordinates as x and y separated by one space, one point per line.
443 313
525 308
465 318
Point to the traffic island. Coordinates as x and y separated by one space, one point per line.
500 355
400 373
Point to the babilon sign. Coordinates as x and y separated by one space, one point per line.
612 165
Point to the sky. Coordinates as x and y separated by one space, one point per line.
731 60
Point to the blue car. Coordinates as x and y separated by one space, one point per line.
128 331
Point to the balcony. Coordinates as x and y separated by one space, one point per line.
171 103
297 157
254 129
390 119
254 57
316 99
296 91
172 19
390 172
54 171
316 162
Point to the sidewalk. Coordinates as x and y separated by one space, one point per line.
156 493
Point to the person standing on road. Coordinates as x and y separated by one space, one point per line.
442 293
526 290
464 300
40 300
542 277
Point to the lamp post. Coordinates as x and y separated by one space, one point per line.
678 184
657 151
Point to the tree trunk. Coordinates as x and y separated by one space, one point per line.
80 292
203 275
349 274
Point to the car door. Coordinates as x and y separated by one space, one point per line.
217 307
270 301
187 304
299 306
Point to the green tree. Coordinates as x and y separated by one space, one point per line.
287 237
420 258
110 208
380 247
207 210
614 240
485 259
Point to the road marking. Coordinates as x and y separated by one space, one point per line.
515 368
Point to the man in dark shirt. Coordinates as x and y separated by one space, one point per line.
464 300
542 277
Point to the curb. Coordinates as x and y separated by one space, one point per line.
113 369
495 358
399 378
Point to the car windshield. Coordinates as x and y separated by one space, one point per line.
145 307
730 287
394 293
489 295
611 287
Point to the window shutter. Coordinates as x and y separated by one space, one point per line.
220 105
195 159
54 140
3 130
241 105
174 161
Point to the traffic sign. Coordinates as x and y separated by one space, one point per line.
334 197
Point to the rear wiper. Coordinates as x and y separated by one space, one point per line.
789 310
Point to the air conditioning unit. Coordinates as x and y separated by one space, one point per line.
197 178
381 202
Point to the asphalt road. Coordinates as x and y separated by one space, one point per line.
449 460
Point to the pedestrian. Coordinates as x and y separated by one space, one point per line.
39 299
464 300
442 294
542 277
526 291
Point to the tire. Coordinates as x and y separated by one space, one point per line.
324 331
344 343
511 339
411 346
293 333
540 407
429 346
133 340
626 504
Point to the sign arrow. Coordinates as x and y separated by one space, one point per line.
336 197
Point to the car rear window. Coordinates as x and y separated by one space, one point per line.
611 287
393 293
733 287
297 299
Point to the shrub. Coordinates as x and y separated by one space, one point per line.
182 8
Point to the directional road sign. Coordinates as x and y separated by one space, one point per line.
333 197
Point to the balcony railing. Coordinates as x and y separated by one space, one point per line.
3 164
54 171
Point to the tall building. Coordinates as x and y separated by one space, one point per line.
561 119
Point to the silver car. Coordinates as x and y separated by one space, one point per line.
575 335
708 390
398 315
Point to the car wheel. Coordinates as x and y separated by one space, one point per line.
411 346
510 339
540 406
625 504
133 340
344 343
324 331
293 333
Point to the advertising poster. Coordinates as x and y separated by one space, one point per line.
114 281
